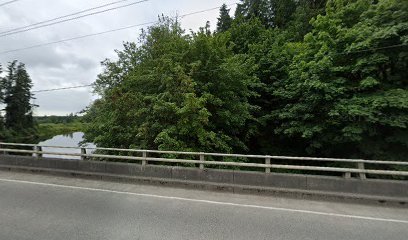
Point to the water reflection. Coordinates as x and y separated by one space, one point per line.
66 140
70 135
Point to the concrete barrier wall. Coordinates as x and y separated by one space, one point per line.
238 180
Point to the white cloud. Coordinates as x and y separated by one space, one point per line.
78 62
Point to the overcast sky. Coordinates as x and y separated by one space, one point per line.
77 62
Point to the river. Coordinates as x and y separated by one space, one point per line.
66 140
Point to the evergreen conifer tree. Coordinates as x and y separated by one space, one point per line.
225 20
17 97
272 13
1 102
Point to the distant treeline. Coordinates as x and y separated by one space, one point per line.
57 119
50 126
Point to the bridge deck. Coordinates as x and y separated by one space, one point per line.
49 207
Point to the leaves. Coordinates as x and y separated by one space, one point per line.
177 92
342 82
284 77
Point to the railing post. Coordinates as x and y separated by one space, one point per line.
202 158
268 162
360 166
4 152
83 152
347 175
144 161
38 149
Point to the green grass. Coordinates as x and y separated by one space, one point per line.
49 130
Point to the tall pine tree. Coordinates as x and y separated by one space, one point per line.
1 102
254 8
272 13
225 20
1 85
18 98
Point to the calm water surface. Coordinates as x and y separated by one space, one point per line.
68 140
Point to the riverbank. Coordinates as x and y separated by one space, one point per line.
49 130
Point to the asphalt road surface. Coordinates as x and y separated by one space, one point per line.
49 207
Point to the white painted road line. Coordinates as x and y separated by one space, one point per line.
213 202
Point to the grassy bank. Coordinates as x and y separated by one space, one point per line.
49 130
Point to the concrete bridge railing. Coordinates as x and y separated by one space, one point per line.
344 179
359 167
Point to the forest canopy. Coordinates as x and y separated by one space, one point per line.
294 77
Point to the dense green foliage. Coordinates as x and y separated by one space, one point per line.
284 77
15 93
167 94
346 91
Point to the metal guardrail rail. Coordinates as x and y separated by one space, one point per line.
203 159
